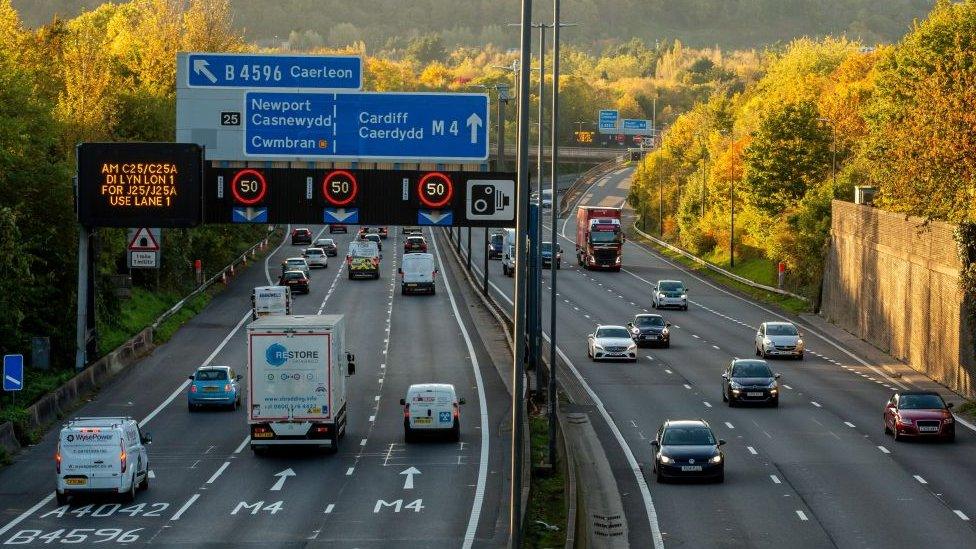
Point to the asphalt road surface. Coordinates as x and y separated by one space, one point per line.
815 472
206 487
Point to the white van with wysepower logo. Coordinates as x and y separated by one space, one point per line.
101 455
431 408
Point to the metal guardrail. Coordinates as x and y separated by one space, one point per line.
716 268
570 153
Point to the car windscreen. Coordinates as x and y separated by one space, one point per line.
601 237
547 247
671 286
294 276
497 239
920 402
415 240
211 375
780 330
688 436
649 321
612 332
751 369
295 262
314 251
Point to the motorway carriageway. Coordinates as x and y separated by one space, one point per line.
816 472
207 488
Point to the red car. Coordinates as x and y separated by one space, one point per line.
383 232
301 236
415 244
919 414
296 280
338 228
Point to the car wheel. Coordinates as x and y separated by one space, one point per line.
731 401
257 450
433 290
653 304
350 275
130 495
685 308
589 352
62 498
144 485
667 344
721 477
951 437
887 430
408 435
724 397
775 403
559 265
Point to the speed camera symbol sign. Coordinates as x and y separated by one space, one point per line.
490 200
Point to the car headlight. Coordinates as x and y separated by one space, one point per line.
716 459
734 385
597 346
905 420
684 296
665 332
664 458
799 343
632 346
948 419
767 341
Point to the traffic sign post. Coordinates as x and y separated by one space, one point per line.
13 374
255 71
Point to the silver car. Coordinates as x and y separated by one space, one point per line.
611 343
294 264
669 293
316 257
779 339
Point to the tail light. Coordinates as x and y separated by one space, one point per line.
193 388
376 262
57 458
349 259
457 411
320 429
406 411
123 459
227 388
433 273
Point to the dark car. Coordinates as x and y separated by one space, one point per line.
375 238
750 380
688 449
650 330
547 256
919 414
296 280
301 236
383 232
415 244
328 246
338 228
496 243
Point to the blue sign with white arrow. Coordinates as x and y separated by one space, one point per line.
436 218
250 214
424 127
341 215
311 72
13 372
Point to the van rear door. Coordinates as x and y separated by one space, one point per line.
432 409
418 268
91 452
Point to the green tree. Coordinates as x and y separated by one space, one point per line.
426 49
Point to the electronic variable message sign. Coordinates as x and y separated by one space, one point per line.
139 184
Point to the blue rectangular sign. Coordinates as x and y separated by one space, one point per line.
632 124
607 115
436 218
341 215
318 72
13 372
362 126
250 214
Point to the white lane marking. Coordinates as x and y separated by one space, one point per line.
883 449
247 439
817 404
328 294
707 405
27 513
787 387
362 442
372 419
775 479
729 425
267 273
152 474
695 336
920 479
349 471
668 371
715 346
849 424
377 399
960 514
329 508
687 386
479 494
186 506
801 514
752 450
219 471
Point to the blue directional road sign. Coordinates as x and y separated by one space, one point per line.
341 215
309 72
437 218
13 372
422 127
250 214
608 119
633 124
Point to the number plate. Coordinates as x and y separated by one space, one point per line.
210 389
928 429
421 421
754 394
691 468
75 481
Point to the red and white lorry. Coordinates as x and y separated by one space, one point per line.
599 238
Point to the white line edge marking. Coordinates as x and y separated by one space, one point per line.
243 444
219 471
186 506
920 479
883 449
775 479
267 273
960 514
349 471
27 513
479 494
329 508
849 424
752 450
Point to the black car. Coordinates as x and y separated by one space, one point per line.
338 228
301 236
650 330
688 449
495 244
296 280
750 380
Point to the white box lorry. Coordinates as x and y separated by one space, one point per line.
296 368
270 301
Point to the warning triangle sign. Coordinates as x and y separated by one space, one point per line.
143 241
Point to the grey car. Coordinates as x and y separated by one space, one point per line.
779 339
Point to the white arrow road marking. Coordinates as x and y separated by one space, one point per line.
408 484
474 122
282 477
200 67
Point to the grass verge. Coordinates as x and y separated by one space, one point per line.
967 409
547 502
753 266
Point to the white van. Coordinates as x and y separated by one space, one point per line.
417 273
270 301
101 455
431 408
508 253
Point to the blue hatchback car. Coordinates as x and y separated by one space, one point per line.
214 385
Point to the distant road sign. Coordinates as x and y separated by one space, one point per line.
13 372
634 124
383 126
309 72
144 239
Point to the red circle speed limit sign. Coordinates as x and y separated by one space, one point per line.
340 187
248 187
435 190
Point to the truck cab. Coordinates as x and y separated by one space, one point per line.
599 238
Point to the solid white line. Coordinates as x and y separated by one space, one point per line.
479 493
267 273
707 405
960 514
849 424
349 471
775 479
362 442
687 386
883 449
186 506
247 439
27 513
920 479
219 471
801 514
329 508
752 450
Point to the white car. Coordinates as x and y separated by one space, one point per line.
669 293
316 257
295 264
432 408
779 339
105 455
611 343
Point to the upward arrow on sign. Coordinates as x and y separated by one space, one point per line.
474 122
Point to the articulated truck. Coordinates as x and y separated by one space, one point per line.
599 238
297 368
